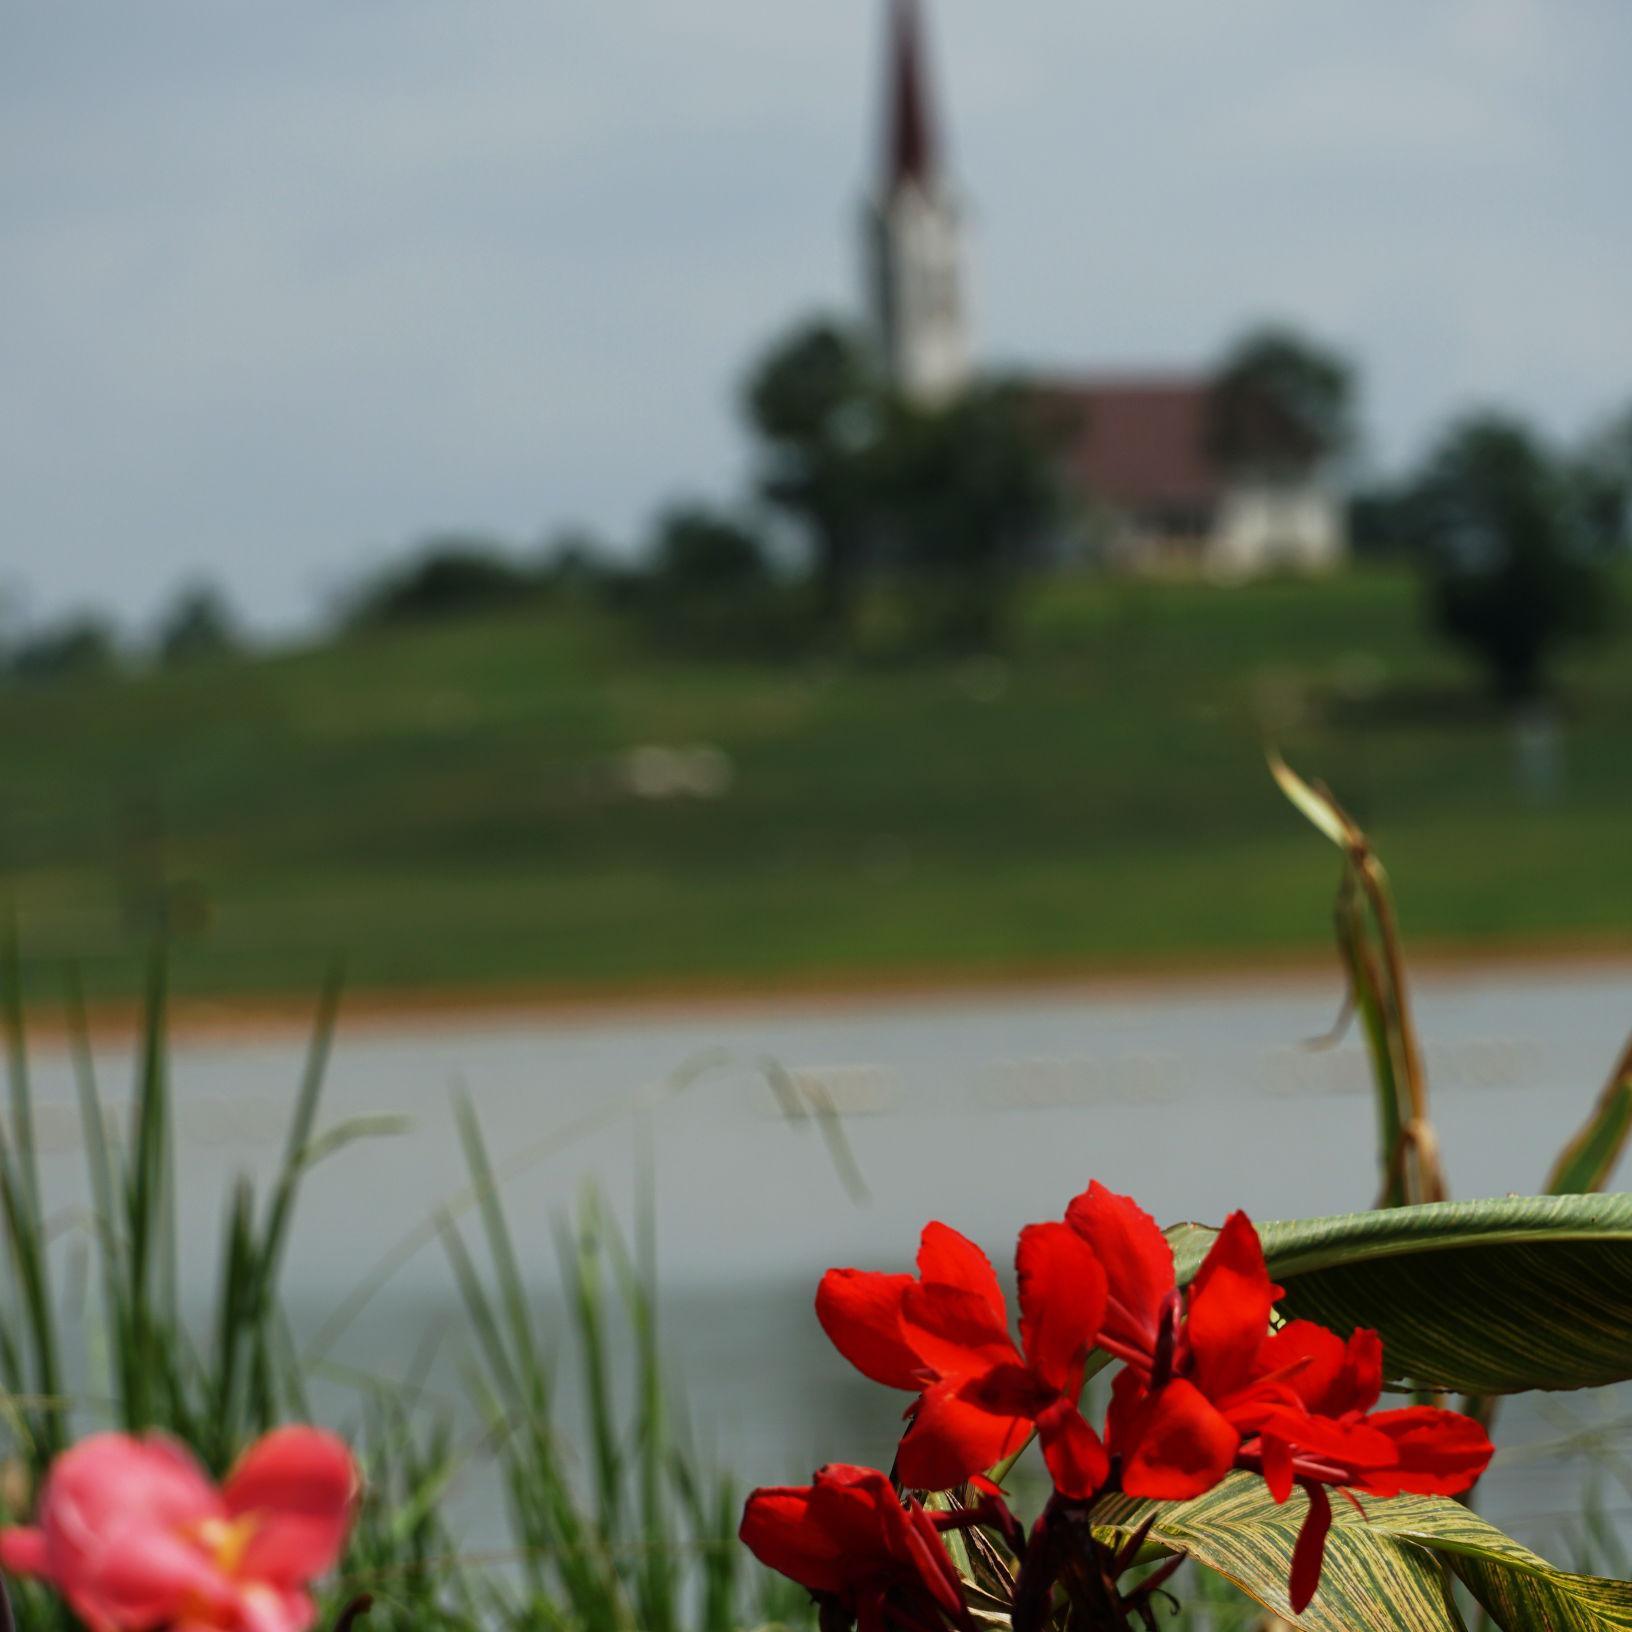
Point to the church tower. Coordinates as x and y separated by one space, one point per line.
914 237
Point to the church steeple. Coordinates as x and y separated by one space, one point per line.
910 147
914 235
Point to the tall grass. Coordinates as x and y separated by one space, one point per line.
612 1527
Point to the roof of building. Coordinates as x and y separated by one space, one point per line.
1136 441
911 146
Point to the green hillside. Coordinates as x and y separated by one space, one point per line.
458 807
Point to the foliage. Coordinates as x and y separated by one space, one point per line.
1281 403
1516 551
199 626
970 499
647 1545
814 402
448 577
79 648
952 503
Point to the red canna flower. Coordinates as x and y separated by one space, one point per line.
848 1539
1190 1360
945 1337
1315 1427
134 1535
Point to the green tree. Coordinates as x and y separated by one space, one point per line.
199 625
700 553
1281 403
1516 550
972 498
814 401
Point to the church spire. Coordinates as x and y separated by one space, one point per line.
914 237
910 153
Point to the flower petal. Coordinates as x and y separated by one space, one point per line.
300 1486
777 1530
953 1332
1077 1461
1437 1453
1309 1551
861 1313
1173 1443
1230 1302
23 1550
1328 1375
950 1439
946 1258
1136 1258
1062 1302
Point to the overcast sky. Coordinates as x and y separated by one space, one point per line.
284 286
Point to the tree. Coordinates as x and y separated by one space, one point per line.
972 497
449 576
199 625
814 400
1516 550
78 647
699 553
1281 404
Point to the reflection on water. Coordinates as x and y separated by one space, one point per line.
986 1112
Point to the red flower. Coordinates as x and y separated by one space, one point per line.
850 1542
134 1535
1190 1361
945 1337
1207 1388
1315 1427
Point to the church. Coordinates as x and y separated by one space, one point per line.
1135 452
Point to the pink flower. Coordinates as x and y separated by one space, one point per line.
135 1536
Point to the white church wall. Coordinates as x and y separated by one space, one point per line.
1268 526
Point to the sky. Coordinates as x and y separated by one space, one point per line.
285 288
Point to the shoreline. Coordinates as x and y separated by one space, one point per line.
272 1017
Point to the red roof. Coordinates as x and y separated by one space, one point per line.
909 136
1137 442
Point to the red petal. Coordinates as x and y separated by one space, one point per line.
1062 1302
1230 1302
927 1557
1352 1443
22 1551
1077 1462
1136 1258
1276 1455
1310 1551
301 1485
950 1439
777 1530
953 1332
1010 1391
861 1313
946 1258
1438 1453
1329 1376
1174 1445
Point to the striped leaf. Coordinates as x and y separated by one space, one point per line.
1385 1567
1472 1297
1372 1581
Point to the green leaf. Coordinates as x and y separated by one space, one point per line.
1385 1566
1472 1297
1519 1590
1371 1582
1591 1156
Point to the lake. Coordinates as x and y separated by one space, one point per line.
985 1110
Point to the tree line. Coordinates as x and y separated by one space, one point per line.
874 521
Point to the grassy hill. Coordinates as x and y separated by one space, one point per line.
458 807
